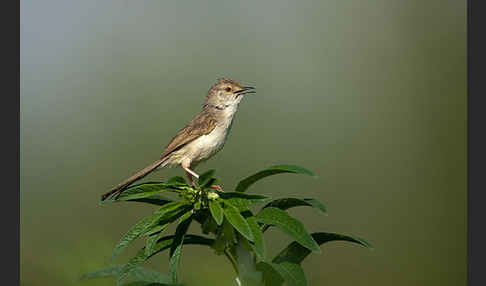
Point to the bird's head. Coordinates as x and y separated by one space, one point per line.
226 92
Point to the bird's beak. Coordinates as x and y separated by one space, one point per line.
246 90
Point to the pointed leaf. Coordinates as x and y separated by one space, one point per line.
240 204
244 184
152 240
166 212
156 229
270 276
209 183
226 236
144 283
142 191
216 211
134 232
162 244
256 232
176 248
149 275
150 243
186 215
233 215
201 215
289 225
296 253
140 273
205 177
104 272
157 200
259 245
286 203
251 199
135 262
177 181
209 225
293 274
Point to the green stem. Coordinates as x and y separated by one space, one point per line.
232 260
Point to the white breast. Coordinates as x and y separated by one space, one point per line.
208 145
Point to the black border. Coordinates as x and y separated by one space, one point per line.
475 143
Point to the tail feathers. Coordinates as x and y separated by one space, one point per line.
118 189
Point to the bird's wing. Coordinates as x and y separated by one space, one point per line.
201 125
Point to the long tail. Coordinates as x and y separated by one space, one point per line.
118 189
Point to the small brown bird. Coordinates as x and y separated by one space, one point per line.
202 137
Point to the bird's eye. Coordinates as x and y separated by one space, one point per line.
228 89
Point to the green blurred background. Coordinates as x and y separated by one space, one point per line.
370 95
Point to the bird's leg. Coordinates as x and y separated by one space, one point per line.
189 176
189 173
194 174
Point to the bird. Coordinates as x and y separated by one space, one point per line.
201 138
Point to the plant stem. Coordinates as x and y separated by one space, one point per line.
233 262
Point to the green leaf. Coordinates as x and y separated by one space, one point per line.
216 211
104 272
270 276
255 230
176 248
149 275
134 262
279 169
167 212
289 225
177 181
162 244
156 229
251 199
201 215
139 273
144 283
154 200
226 236
142 191
152 240
186 215
292 273
287 203
205 178
150 244
259 245
296 253
240 204
209 183
134 232
233 215
209 225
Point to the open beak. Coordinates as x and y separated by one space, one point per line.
246 90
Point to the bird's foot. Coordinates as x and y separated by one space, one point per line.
216 187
